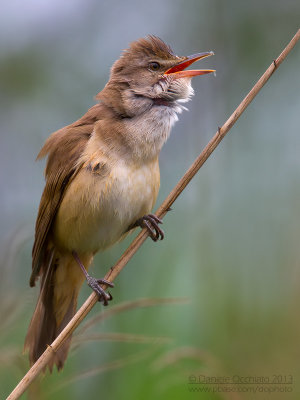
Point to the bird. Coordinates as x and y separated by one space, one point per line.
102 180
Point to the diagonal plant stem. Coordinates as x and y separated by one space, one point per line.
41 363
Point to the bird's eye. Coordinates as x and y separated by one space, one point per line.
154 66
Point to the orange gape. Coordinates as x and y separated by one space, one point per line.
102 180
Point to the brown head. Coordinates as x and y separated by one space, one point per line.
149 74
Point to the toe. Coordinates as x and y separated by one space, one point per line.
105 282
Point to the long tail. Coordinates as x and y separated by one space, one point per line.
60 283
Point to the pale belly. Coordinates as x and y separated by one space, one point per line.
97 211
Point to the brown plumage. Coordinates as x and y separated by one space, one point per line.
63 148
102 178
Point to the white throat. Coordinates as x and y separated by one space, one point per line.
149 131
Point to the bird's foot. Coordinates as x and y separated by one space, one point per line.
103 296
150 222
95 283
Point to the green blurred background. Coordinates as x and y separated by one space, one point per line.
231 253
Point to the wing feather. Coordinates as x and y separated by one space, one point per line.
64 148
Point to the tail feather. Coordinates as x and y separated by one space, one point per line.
60 283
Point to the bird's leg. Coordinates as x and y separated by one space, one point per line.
95 283
150 222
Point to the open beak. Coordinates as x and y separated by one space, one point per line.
179 71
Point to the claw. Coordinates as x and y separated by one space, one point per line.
95 285
150 222
110 296
105 282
